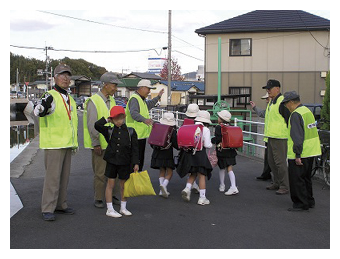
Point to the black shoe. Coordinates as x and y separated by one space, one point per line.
99 204
67 211
261 178
297 209
48 216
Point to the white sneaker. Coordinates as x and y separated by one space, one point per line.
164 192
221 188
203 201
232 191
186 194
113 213
125 212
195 188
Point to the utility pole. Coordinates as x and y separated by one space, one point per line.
46 68
169 59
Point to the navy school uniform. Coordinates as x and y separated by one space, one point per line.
226 156
164 157
122 149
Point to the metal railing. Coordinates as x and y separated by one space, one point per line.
157 114
249 132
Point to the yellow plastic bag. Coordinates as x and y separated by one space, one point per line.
139 184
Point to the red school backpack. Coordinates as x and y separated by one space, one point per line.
189 137
160 135
232 137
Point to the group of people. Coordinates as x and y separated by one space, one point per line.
290 133
117 139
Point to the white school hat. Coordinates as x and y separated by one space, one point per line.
203 116
224 115
168 119
192 110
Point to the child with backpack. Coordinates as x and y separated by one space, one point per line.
121 155
197 164
163 158
226 156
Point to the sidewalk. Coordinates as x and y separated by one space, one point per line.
255 218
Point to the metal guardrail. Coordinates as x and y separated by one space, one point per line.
250 133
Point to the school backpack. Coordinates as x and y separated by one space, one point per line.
189 137
160 135
232 137
188 121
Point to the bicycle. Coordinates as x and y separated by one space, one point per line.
322 163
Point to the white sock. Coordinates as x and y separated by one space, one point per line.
202 193
232 179
161 180
123 205
188 186
165 183
222 176
109 206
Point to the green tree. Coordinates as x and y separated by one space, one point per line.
326 111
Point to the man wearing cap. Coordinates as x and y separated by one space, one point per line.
137 114
262 113
275 129
303 146
58 125
96 107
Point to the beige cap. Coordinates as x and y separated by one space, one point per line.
145 82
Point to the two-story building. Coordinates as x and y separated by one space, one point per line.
291 46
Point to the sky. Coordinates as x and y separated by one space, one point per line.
137 34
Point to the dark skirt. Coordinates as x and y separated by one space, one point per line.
226 158
198 163
162 158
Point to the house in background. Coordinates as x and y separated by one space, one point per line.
291 46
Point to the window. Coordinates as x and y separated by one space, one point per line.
241 90
240 47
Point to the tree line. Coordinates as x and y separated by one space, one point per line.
28 68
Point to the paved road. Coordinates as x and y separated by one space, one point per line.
255 218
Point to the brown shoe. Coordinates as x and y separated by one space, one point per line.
282 191
272 187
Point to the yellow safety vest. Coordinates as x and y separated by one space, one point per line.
311 143
102 111
143 130
275 125
59 129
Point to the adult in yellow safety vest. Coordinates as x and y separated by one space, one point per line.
276 130
58 124
303 147
137 114
96 107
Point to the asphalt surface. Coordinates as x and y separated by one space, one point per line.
255 218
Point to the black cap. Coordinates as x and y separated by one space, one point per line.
271 83
290 96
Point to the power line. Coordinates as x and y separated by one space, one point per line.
102 23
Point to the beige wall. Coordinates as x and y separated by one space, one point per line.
293 58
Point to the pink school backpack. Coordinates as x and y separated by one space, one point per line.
189 137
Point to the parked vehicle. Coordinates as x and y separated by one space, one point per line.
315 109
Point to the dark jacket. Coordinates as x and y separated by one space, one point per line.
122 146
